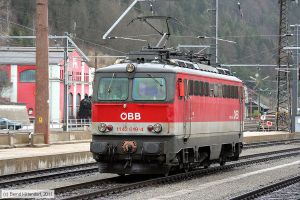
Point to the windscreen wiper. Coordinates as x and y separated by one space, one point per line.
110 83
155 80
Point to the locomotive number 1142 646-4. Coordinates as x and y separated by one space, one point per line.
131 129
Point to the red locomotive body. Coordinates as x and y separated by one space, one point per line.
154 117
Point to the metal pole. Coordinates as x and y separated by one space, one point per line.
250 107
294 87
120 18
66 80
259 109
297 65
217 29
42 71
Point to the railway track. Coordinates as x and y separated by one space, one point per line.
14 180
270 189
92 190
272 143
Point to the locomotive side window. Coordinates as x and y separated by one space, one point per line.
186 88
216 90
211 89
224 91
235 92
115 89
149 89
206 89
201 88
191 87
220 90
227 91
196 88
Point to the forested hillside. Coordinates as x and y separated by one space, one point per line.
253 25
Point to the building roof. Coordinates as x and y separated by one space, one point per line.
27 56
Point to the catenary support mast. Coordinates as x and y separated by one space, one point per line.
283 76
42 71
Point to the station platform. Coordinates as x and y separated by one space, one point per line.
16 160
263 136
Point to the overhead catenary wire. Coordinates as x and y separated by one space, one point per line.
258 53
100 45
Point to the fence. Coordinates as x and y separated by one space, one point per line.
20 126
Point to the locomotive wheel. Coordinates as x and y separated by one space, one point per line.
206 165
222 161
186 168
167 173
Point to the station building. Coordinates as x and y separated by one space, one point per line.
17 77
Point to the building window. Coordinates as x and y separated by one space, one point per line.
70 105
61 74
75 64
3 77
86 77
27 76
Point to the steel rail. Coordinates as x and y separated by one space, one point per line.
268 189
46 174
169 179
67 171
72 167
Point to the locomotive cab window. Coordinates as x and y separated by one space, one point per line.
114 89
149 89
191 87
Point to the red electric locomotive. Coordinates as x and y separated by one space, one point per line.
155 112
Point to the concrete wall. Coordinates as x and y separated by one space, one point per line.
63 137
5 141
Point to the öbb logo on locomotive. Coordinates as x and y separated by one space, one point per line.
130 116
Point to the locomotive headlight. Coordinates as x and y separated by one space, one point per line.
109 127
102 127
130 68
157 128
150 128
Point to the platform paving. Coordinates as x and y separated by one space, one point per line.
16 160
29 159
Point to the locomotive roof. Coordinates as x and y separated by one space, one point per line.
164 68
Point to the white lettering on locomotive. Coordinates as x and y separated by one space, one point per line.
235 114
130 116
